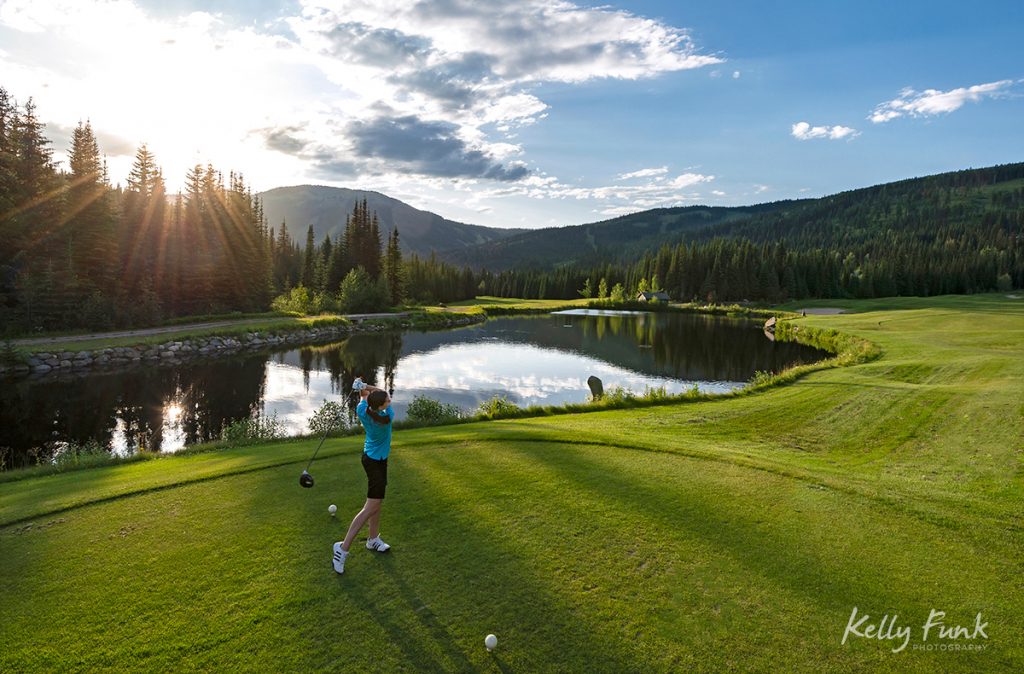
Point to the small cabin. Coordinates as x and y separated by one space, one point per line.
655 296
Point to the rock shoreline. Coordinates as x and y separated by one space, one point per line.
180 350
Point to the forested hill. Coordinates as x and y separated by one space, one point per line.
624 237
976 208
326 207
985 205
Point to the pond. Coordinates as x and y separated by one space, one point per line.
543 360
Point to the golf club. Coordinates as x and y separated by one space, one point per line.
306 480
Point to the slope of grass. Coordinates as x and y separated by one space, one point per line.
734 534
486 302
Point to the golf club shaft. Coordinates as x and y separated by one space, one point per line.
318 448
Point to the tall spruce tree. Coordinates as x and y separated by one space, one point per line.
91 230
309 265
393 269
145 243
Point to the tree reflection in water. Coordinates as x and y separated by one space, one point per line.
538 360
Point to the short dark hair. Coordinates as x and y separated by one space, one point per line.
374 401
376 398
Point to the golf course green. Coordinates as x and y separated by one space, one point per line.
735 534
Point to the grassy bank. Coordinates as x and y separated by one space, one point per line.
727 534
499 305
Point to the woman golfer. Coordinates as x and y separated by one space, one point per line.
375 414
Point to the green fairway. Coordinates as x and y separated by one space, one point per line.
725 535
512 304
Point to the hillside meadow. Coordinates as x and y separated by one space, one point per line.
733 534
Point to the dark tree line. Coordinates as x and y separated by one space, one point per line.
352 274
78 252
954 233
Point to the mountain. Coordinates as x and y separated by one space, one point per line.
599 242
325 208
959 203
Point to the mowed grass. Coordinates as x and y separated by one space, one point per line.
727 535
484 302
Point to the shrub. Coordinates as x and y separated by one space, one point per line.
12 355
71 454
761 378
618 395
326 419
497 406
424 410
299 300
253 429
359 293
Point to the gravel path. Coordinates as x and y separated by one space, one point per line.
145 332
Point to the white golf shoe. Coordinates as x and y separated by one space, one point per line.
339 558
377 544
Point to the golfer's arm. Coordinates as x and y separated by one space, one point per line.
367 390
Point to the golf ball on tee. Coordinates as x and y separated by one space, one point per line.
332 509
491 642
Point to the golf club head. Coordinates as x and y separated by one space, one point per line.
306 480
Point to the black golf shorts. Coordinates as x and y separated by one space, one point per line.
376 476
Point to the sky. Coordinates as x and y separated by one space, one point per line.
531 113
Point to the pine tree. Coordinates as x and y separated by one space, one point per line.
91 234
10 241
309 265
37 202
393 269
373 245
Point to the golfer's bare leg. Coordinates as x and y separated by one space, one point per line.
375 523
371 508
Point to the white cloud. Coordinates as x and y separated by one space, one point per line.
529 40
718 193
615 199
644 173
616 211
433 88
932 102
735 74
688 179
804 131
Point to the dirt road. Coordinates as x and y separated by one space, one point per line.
184 327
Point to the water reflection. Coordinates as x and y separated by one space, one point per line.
543 360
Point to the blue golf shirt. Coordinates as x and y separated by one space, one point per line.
378 436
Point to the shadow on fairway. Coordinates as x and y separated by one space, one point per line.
468 577
759 536
417 651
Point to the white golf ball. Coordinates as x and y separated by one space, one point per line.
491 642
332 509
